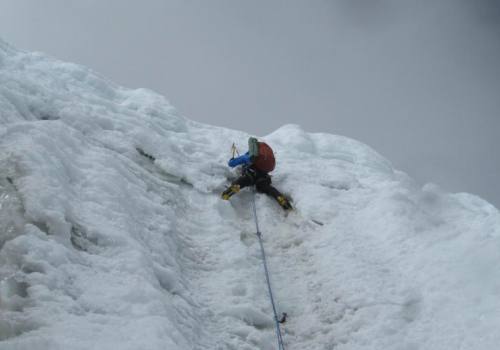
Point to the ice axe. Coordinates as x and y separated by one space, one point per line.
234 150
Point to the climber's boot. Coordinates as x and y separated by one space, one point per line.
230 191
284 202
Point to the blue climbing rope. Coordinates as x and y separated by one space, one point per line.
264 260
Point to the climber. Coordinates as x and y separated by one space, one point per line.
257 163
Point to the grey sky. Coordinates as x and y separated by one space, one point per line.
417 80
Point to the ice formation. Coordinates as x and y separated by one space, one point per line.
113 234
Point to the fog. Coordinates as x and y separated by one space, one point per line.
419 81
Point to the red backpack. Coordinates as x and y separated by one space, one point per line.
263 156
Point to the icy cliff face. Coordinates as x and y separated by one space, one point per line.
113 236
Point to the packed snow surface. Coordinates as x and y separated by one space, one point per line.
113 234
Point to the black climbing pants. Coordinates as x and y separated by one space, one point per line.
262 182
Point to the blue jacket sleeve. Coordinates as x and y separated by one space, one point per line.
243 159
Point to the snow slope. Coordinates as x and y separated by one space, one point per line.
102 247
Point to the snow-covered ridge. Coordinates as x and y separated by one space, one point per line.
102 247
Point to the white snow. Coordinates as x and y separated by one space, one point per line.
103 248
